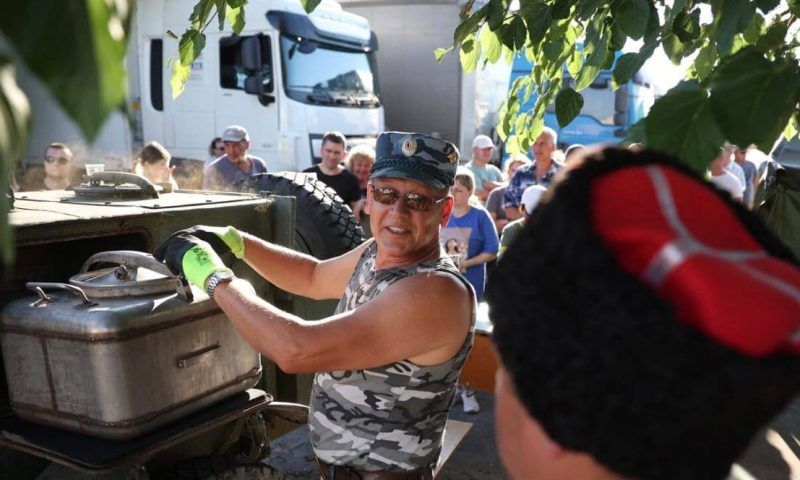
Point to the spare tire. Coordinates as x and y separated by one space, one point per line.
325 227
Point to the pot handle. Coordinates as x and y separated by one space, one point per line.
198 356
118 178
136 259
129 258
39 288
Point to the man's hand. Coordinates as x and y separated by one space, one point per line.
188 255
222 239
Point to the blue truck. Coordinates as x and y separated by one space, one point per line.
606 115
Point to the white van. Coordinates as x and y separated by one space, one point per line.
288 78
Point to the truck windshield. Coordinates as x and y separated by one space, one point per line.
322 74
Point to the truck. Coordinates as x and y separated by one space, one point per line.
288 78
606 115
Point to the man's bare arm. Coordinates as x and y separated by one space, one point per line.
299 273
422 318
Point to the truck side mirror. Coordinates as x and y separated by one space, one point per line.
254 85
258 81
251 53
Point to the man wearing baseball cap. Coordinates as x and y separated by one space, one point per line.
236 165
530 198
647 326
388 360
487 176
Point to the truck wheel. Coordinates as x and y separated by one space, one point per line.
218 467
324 226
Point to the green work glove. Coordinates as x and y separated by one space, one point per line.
222 239
188 255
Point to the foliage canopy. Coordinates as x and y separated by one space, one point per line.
743 84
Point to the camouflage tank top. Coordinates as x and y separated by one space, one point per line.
392 417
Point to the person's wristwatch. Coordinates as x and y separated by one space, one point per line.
216 278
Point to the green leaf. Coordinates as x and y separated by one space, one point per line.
753 98
618 38
236 3
686 26
632 17
14 126
520 32
754 31
512 144
497 13
77 49
439 53
561 9
637 134
538 17
568 106
587 8
469 25
222 7
490 44
235 18
200 14
772 38
190 46
678 6
674 48
574 63
792 128
469 54
653 29
309 5
506 34
596 49
766 6
681 123
794 7
179 77
171 34
705 61
626 67
733 17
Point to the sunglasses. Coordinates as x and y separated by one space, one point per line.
415 201
60 160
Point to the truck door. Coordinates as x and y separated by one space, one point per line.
247 94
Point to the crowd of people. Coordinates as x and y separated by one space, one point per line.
619 356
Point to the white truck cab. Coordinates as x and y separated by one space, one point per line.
288 78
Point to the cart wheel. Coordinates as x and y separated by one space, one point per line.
218 467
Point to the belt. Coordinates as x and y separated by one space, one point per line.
340 472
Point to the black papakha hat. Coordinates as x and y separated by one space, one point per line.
604 357
415 156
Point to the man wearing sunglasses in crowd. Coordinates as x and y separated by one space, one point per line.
58 171
388 360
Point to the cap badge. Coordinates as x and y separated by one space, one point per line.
409 147
451 157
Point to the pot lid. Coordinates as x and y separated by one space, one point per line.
130 273
117 185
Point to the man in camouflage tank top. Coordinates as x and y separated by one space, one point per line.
388 360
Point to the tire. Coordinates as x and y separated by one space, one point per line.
324 226
218 467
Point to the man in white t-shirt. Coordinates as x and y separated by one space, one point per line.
730 165
723 178
487 176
